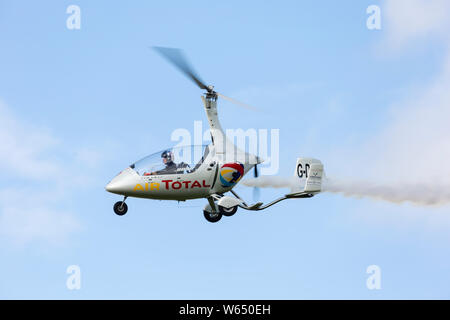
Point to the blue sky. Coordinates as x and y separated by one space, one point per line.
78 106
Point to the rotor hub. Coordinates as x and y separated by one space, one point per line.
211 94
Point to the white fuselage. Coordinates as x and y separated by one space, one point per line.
202 183
211 177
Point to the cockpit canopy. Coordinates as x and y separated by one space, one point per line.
177 160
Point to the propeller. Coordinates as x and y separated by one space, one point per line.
256 191
178 59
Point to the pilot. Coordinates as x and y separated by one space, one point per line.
171 167
167 158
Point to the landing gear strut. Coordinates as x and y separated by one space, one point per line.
120 207
214 212
210 212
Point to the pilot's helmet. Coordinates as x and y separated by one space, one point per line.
168 155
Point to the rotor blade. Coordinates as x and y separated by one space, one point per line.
244 105
177 58
256 171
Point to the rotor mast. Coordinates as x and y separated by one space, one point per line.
217 135
220 142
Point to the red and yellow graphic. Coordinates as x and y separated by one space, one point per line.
231 173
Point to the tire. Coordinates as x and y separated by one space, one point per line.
228 212
120 208
212 217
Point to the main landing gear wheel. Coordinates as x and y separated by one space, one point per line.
120 208
212 216
228 212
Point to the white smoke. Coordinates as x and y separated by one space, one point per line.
417 194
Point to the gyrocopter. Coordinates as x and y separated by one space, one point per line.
210 172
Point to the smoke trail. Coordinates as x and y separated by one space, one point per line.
417 194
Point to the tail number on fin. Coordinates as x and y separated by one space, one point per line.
301 171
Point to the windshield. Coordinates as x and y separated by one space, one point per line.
176 160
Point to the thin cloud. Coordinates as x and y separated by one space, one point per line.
25 219
23 147
33 189
410 21
408 159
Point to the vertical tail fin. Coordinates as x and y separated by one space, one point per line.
309 171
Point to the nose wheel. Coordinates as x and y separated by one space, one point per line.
120 207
